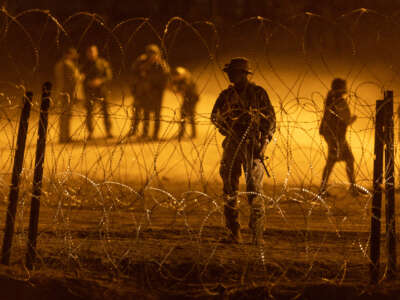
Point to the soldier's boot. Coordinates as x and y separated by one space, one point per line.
257 222
232 223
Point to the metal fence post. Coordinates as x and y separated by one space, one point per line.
16 173
389 185
377 193
38 175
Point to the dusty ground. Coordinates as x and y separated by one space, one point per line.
160 248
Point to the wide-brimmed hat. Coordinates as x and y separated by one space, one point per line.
238 63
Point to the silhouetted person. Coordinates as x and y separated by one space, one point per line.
184 85
337 117
67 78
244 115
98 75
149 75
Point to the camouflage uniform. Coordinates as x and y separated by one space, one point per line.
148 82
67 77
247 120
100 69
183 84
336 119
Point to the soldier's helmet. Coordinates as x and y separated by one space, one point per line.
338 84
153 49
238 63
180 72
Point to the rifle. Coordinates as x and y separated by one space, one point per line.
262 157
265 167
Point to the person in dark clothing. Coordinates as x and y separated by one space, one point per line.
98 75
149 77
243 114
335 121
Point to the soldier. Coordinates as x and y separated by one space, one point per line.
244 115
98 75
184 85
67 77
148 82
337 117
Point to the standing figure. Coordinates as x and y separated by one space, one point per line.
244 115
149 76
98 75
184 85
67 78
337 117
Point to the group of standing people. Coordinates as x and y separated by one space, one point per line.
149 77
90 82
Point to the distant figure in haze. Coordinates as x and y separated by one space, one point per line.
67 78
244 115
184 85
337 117
149 76
98 75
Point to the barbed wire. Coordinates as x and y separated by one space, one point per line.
124 206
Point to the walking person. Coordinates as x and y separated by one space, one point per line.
98 75
335 121
244 115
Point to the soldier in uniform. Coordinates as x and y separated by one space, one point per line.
98 75
337 117
67 78
244 115
184 85
149 76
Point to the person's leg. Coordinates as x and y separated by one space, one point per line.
330 163
349 159
105 109
146 120
182 124
89 112
254 172
136 115
192 123
230 171
65 119
157 120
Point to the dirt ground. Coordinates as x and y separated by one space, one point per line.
161 249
